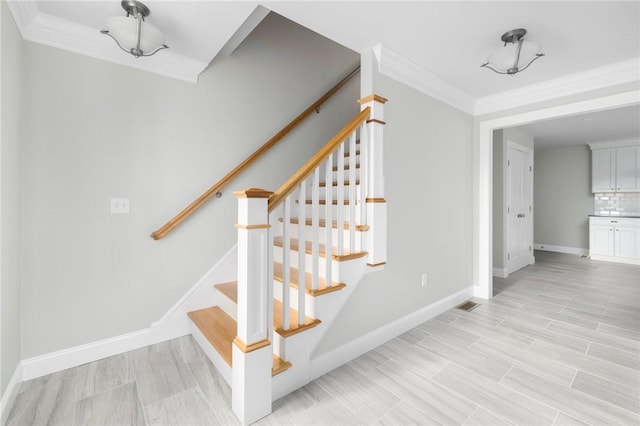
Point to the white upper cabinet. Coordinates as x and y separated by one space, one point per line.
628 169
615 166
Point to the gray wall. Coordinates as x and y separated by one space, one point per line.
500 138
428 187
562 196
96 130
10 49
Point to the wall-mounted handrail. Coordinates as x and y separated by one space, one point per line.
195 205
291 184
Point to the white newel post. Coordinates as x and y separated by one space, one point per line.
376 204
252 352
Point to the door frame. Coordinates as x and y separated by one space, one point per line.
506 229
483 174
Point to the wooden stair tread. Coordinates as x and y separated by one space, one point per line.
346 182
279 365
218 327
229 289
295 281
323 224
293 245
294 327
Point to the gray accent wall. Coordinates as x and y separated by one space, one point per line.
428 188
562 196
10 165
95 130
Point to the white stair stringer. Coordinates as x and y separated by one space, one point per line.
298 348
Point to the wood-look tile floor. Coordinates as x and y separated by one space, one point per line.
558 344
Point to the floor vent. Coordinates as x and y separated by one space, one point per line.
468 306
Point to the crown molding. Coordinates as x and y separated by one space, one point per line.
614 143
593 79
56 32
23 13
399 68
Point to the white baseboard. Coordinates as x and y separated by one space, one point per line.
561 249
345 353
10 393
500 272
72 357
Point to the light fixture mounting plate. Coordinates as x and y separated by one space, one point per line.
132 5
512 36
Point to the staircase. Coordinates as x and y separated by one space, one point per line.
301 252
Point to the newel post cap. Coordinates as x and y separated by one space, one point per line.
253 193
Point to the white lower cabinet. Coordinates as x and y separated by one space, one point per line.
614 239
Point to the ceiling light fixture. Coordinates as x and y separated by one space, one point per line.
516 49
132 34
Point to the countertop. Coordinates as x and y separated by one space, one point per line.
614 216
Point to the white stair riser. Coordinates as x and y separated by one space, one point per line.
334 214
322 234
334 192
308 264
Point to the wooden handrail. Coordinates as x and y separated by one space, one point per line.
180 217
292 183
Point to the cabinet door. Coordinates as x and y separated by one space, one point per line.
603 176
601 240
627 242
628 169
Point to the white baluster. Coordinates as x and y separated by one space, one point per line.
302 222
286 260
364 165
328 218
315 227
340 199
352 192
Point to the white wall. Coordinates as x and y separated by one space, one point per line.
500 138
95 130
10 165
562 197
428 188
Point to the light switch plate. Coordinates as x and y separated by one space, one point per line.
119 206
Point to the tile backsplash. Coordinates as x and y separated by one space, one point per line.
617 203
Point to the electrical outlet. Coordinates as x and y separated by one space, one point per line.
119 206
424 279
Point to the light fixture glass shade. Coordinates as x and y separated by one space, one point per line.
124 29
505 57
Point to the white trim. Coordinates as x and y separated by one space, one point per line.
353 349
596 78
10 394
399 68
483 173
616 259
500 272
561 249
617 143
72 357
23 13
63 34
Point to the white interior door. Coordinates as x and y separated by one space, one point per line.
519 204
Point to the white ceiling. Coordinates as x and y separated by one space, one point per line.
621 123
452 39
443 42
